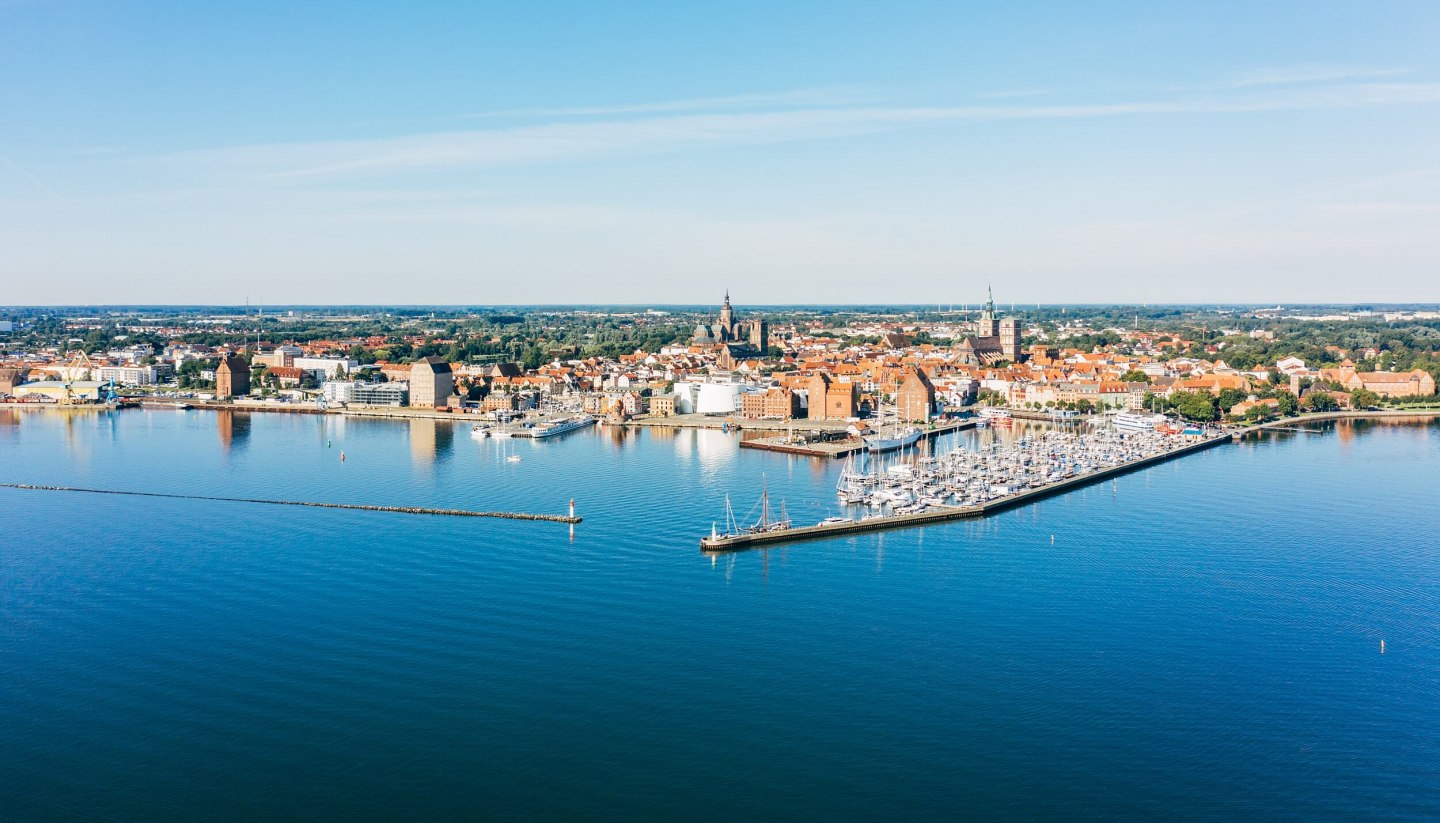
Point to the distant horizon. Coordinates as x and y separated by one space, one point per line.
1018 306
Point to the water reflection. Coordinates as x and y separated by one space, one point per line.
233 428
430 440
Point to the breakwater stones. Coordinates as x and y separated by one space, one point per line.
552 518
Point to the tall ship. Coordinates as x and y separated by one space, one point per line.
897 439
562 426
765 522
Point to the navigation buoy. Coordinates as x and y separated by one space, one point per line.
1052 539
1382 645
327 444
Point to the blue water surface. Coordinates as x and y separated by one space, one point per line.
1197 640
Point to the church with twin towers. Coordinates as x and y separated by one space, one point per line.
992 338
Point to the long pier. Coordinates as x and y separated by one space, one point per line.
553 518
740 542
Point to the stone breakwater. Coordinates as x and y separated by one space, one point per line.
553 518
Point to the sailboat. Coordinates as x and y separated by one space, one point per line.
765 522
506 451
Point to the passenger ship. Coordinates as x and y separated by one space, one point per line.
1127 422
568 424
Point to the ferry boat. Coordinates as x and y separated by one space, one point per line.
557 427
1127 422
995 413
899 440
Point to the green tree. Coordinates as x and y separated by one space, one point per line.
1364 399
1197 406
1258 412
1320 401
1289 404
1229 397
1135 376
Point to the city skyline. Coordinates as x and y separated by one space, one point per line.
812 155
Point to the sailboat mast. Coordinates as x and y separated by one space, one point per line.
764 504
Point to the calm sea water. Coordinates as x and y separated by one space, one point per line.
1198 640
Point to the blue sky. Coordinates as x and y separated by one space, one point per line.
801 152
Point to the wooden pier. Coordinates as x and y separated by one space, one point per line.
731 543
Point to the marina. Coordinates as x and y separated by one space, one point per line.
971 483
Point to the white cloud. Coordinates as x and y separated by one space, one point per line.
1309 74
569 140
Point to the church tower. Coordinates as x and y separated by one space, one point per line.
988 326
1010 339
727 315
760 335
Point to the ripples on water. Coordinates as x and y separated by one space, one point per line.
1201 639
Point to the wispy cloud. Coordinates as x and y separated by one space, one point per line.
31 177
675 126
1011 94
797 97
1292 75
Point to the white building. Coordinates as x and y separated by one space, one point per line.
339 391
127 375
326 367
717 398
